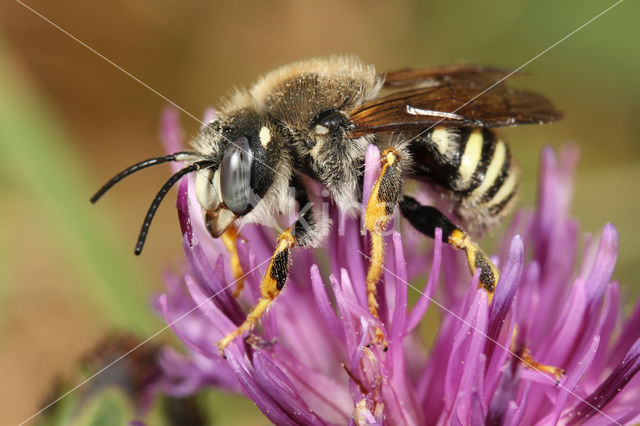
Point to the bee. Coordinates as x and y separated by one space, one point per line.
315 119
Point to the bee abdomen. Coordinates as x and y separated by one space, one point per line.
476 168
486 179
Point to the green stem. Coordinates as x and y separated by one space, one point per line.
36 151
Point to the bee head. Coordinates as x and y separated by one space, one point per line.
244 152
234 159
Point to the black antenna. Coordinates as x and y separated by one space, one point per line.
178 156
158 199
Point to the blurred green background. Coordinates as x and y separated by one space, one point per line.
69 120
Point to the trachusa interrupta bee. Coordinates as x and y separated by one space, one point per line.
315 119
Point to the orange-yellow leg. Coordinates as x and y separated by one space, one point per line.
528 361
476 258
380 207
272 283
229 238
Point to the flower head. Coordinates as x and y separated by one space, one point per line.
309 362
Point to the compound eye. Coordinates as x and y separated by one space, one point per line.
235 175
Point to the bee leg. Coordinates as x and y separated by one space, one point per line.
304 232
529 362
271 285
380 207
524 353
427 218
229 238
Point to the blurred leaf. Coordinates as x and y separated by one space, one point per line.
188 411
37 154
61 413
109 407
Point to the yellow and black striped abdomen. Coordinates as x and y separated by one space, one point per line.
475 166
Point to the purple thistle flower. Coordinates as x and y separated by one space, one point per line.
309 361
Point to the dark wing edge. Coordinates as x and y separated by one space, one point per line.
411 77
453 104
